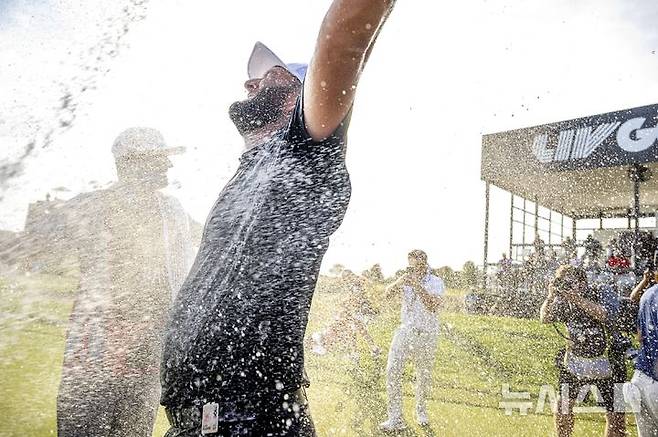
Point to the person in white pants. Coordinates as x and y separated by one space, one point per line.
415 340
645 378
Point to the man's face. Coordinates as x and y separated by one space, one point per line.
270 99
150 170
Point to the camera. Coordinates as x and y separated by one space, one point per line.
560 285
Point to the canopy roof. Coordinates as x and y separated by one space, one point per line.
579 167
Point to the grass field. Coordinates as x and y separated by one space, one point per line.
477 355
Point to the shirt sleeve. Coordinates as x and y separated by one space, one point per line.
297 127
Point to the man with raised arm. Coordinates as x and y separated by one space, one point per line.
233 362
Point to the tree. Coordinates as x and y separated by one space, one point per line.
374 273
470 274
337 269
449 276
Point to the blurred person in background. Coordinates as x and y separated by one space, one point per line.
591 357
134 247
415 340
350 321
645 378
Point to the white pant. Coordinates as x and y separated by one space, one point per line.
647 417
420 347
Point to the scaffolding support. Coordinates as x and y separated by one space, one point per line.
511 223
485 263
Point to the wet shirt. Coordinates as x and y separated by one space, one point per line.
238 323
647 359
588 336
414 313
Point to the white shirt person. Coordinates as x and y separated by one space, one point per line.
414 313
416 339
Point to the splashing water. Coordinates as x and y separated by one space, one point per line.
39 127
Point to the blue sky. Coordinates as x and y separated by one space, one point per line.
13 12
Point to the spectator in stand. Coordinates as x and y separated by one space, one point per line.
617 262
552 261
570 250
504 271
540 246
505 263
593 247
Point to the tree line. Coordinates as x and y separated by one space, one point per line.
467 277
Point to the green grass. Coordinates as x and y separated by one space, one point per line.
476 355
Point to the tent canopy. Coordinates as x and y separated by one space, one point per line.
579 167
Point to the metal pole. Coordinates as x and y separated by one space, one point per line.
550 226
523 234
636 204
600 220
574 225
511 223
636 212
536 218
486 237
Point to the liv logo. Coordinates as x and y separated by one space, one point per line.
644 138
573 144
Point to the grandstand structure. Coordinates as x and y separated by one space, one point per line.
570 179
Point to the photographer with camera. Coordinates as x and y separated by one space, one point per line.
645 378
591 357
415 340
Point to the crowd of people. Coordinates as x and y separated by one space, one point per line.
619 265
596 292
607 327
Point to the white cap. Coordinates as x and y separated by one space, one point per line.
263 59
142 141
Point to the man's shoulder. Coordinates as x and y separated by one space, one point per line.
435 283
170 201
650 297
91 196
87 204
297 129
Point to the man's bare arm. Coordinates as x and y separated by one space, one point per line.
346 37
639 289
395 287
546 312
431 302
597 311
